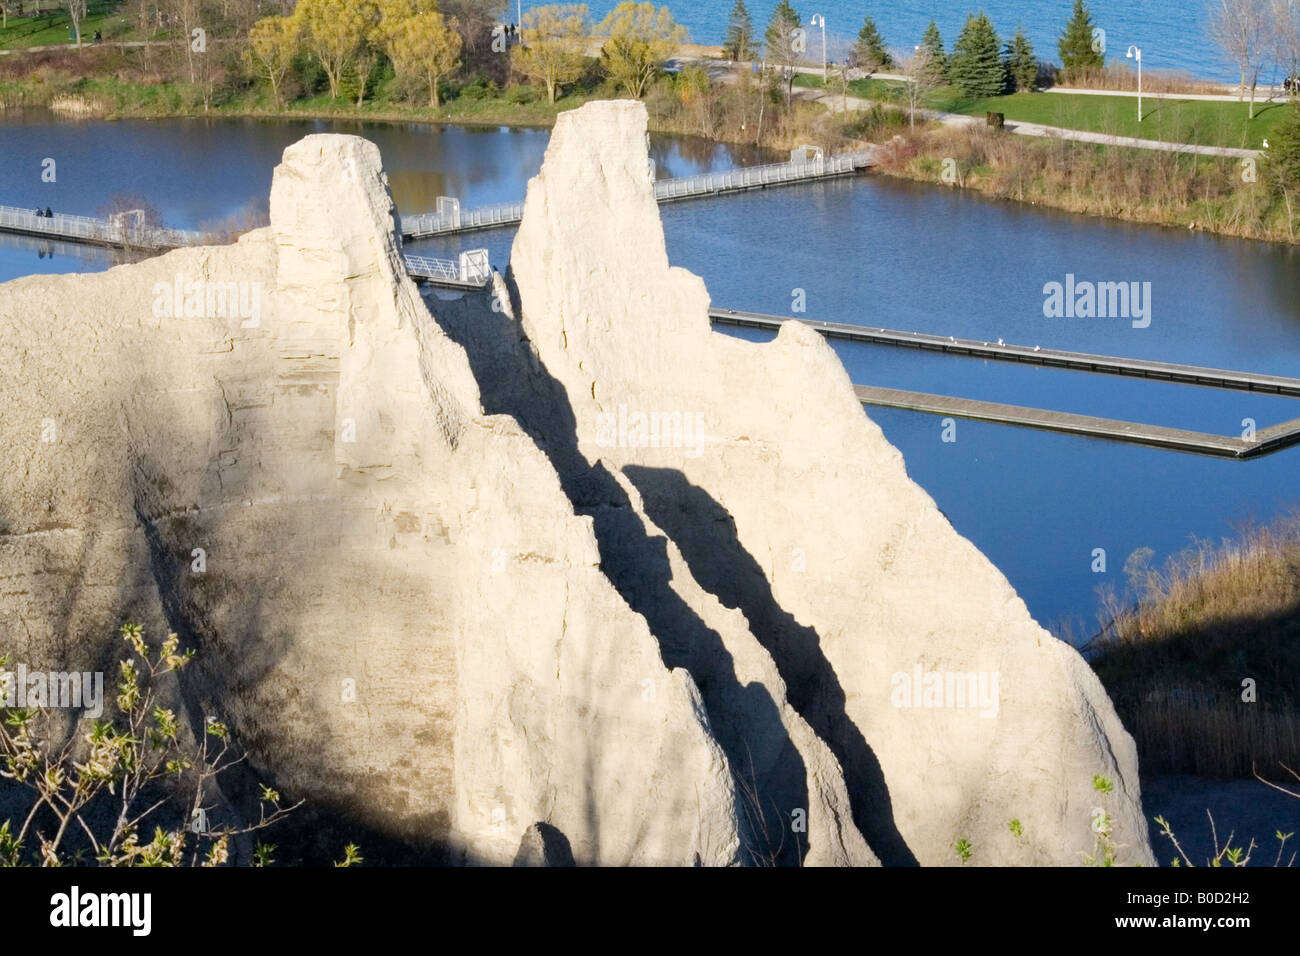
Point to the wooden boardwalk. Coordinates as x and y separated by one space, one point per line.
1055 358
1266 441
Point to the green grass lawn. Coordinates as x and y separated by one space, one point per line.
1208 123
54 26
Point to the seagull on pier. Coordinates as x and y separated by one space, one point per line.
1000 342
1036 348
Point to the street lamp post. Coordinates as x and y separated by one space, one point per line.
1135 53
819 20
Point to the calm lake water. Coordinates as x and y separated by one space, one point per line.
1171 33
870 251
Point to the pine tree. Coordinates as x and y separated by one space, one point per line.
1282 159
739 42
869 52
935 57
1075 45
1022 65
782 50
977 68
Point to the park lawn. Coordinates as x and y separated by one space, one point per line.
54 26
1204 122
870 88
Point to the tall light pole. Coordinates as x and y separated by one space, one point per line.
1135 53
819 20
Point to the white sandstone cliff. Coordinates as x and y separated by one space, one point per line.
400 613
796 510
435 595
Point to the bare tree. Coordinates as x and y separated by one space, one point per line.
1240 29
921 81
1285 27
77 13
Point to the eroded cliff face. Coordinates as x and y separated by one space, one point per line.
441 580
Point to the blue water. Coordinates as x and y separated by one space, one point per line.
1171 33
871 251
912 256
203 172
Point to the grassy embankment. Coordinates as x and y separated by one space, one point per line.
53 25
115 83
1202 122
1167 188
1207 193
1202 658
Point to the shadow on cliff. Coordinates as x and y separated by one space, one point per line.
705 532
743 717
232 619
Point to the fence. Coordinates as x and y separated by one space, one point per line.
666 190
117 231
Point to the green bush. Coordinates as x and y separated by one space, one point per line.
520 94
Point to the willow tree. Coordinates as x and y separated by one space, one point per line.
554 46
272 44
332 32
641 40
424 45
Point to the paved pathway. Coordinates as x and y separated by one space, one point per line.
836 103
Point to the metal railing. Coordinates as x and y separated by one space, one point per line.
425 268
703 184
431 224
88 229
471 270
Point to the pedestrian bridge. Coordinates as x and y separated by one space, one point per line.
121 229
807 164
129 230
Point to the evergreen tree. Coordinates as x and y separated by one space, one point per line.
1075 45
976 67
1022 65
779 38
935 58
869 52
739 42
1282 158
